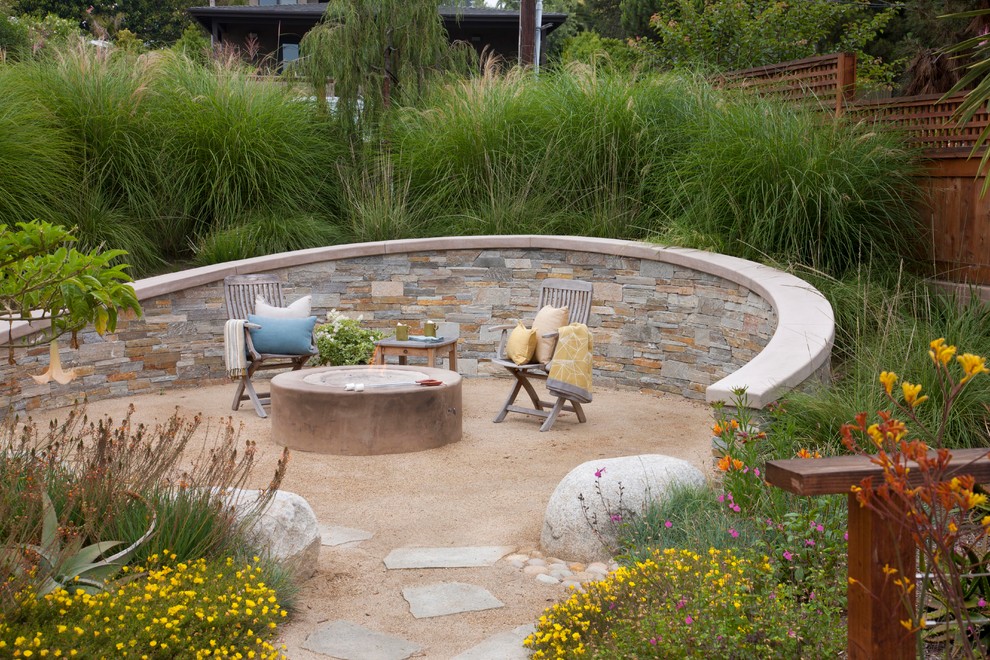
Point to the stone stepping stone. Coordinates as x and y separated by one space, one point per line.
465 557
349 641
336 535
446 598
506 645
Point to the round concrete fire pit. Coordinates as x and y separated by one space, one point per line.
365 411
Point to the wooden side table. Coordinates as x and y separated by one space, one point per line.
427 349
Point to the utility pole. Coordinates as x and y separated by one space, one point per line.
527 33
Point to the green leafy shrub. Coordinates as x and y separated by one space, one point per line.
679 603
591 48
343 341
177 609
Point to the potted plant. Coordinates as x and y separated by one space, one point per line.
342 341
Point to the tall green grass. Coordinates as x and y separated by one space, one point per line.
172 160
662 156
36 169
231 145
572 152
885 322
160 152
762 179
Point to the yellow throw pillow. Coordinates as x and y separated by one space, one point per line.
521 345
549 319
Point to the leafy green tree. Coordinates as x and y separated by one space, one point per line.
603 52
44 278
728 34
601 16
29 37
376 52
156 22
635 15
194 44
918 36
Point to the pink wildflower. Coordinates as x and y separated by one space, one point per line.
599 472
787 555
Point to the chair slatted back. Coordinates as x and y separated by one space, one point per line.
241 291
574 294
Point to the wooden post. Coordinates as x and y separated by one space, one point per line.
527 32
846 83
876 604
876 608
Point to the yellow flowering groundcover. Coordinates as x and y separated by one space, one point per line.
199 609
680 604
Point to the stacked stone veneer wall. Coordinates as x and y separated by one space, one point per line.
658 323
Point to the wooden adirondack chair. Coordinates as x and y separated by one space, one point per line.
576 296
240 293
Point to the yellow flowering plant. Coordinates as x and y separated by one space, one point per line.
682 604
169 609
939 506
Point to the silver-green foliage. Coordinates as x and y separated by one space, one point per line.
73 565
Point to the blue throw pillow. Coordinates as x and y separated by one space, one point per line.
283 336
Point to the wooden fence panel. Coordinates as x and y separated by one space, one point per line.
828 80
959 219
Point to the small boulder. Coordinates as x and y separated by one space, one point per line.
287 529
590 505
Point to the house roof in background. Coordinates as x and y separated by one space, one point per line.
312 13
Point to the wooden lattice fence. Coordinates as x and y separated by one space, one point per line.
955 214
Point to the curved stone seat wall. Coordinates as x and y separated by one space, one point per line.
664 319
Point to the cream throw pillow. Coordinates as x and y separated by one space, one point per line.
298 310
549 319
521 345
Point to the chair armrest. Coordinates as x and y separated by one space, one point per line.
253 355
503 340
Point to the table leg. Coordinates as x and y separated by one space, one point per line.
431 357
402 359
452 357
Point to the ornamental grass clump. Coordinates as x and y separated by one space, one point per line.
166 609
683 604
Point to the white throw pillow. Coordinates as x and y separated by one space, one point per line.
298 310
